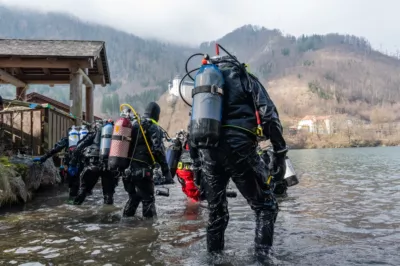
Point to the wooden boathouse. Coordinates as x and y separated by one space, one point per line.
31 121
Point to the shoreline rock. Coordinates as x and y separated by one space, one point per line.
20 178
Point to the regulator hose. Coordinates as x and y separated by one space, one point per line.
232 61
180 85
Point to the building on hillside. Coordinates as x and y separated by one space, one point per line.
293 130
187 87
316 124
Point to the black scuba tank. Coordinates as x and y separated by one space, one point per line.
205 123
93 151
173 154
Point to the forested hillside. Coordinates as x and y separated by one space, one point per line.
135 64
306 75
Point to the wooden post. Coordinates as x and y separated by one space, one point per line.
21 94
76 97
89 104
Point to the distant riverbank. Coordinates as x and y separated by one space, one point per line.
313 141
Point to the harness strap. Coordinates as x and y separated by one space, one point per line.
207 88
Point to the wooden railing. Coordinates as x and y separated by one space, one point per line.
33 128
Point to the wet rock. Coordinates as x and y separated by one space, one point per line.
20 177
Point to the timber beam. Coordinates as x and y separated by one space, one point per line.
9 79
45 63
76 96
53 79
85 79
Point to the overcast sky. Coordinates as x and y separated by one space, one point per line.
193 21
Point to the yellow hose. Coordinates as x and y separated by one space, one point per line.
140 126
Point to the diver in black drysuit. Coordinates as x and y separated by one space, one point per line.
73 180
236 157
88 152
138 177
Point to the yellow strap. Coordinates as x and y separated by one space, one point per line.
140 161
140 126
180 165
154 121
269 180
247 68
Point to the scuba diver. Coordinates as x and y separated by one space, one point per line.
94 159
181 164
146 156
68 144
231 112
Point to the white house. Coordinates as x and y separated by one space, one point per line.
316 124
187 87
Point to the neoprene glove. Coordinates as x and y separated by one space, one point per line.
280 188
279 165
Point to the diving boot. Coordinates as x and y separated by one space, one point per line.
80 198
264 232
215 242
108 199
73 193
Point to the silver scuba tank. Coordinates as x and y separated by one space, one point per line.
106 134
205 122
83 132
290 174
73 137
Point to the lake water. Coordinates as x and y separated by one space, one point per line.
345 211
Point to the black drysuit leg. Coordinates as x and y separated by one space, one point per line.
238 159
108 183
140 189
89 177
73 185
74 182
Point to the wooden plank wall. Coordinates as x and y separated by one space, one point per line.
57 125
22 130
34 131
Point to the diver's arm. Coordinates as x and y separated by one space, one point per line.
269 117
59 146
157 147
85 142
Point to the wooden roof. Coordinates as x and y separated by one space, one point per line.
53 61
35 97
